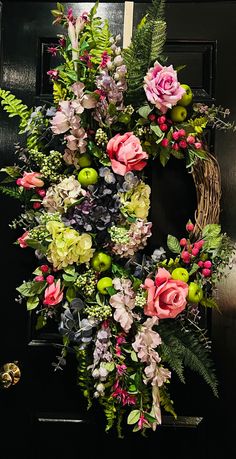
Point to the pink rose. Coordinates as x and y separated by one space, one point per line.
23 240
166 296
162 87
30 180
53 295
126 154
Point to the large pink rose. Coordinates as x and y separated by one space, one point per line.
162 87
53 294
166 296
30 180
126 154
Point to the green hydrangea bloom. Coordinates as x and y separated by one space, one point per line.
68 246
136 202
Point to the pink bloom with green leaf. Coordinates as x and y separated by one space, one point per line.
30 180
22 240
126 153
166 296
53 294
162 87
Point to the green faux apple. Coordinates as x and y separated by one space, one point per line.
88 176
180 274
178 114
187 97
84 160
103 283
195 293
101 261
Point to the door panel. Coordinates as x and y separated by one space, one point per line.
47 404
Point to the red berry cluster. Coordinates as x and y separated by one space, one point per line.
182 141
163 122
206 267
40 278
193 250
41 192
190 250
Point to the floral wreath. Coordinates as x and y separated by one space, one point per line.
130 318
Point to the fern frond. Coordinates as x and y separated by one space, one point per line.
101 38
190 351
13 192
166 401
197 358
146 47
14 106
109 408
172 355
83 376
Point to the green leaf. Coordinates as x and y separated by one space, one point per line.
29 289
144 111
212 230
37 272
133 417
110 366
12 171
32 303
124 118
177 154
118 270
94 150
136 283
173 244
112 110
132 389
68 278
194 268
41 322
69 270
213 243
70 293
157 130
149 418
200 154
133 356
111 290
60 7
164 156
136 428
93 10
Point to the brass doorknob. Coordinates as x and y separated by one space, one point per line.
9 375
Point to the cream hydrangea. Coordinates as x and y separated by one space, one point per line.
61 196
136 202
68 246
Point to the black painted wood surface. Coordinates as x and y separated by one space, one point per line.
47 406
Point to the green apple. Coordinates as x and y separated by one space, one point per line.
180 274
195 293
187 97
84 160
103 283
178 113
101 261
88 176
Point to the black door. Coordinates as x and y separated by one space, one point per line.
43 415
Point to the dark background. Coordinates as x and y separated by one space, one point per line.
44 416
